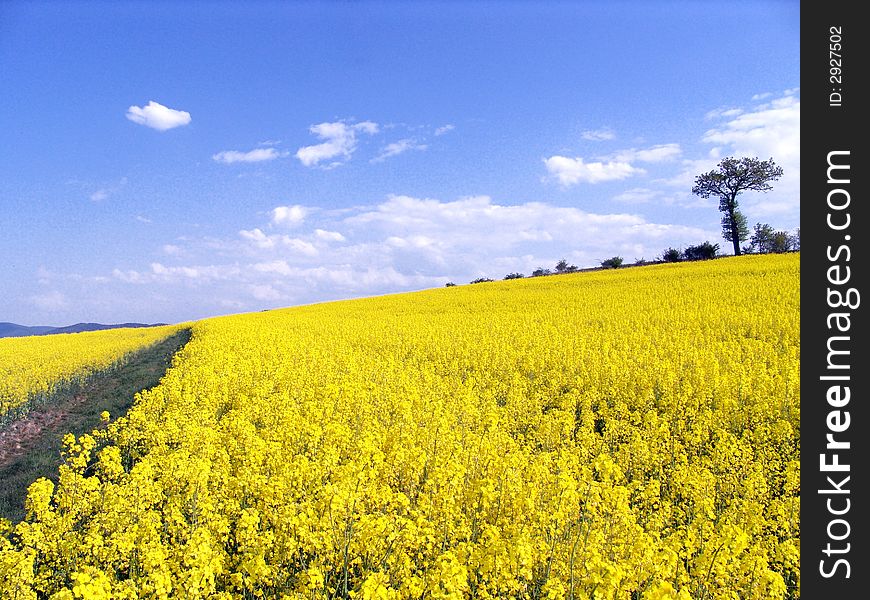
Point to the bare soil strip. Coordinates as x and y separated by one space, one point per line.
30 447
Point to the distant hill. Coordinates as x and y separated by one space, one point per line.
15 330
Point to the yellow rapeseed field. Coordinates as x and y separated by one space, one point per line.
617 434
32 368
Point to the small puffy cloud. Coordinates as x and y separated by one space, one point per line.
411 241
256 155
264 241
340 141
171 249
444 129
288 215
571 171
658 153
159 117
300 246
398 148
366 127
723 113
129 276
598 135
275 266
328 236
189 272
259 238
104 192
200 273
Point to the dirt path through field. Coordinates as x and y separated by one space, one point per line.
30 447
21 435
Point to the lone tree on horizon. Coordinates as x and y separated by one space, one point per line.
733 176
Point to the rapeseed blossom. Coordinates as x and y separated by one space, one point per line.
619 434
33 368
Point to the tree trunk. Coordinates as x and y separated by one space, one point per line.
735 233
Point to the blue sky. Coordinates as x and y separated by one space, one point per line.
173 161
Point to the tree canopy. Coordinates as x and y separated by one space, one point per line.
732 177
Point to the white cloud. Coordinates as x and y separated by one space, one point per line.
598 135
262 240
477 231
366 127
328 236
411 241
108 190
401 244
171 249
199 272
398 148
340 142
720 113
276 266
771 130
570 171
444 129
157 116
288 215
300 246
189 272
129 276
659 153
766 130
256 155
258 237
405 242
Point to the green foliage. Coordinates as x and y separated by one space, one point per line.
732 177
762 238
481 280
514 276
77 409
703 251
735 228
781 242
613 262
796 239
672 255
541 271
766 240
563 267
